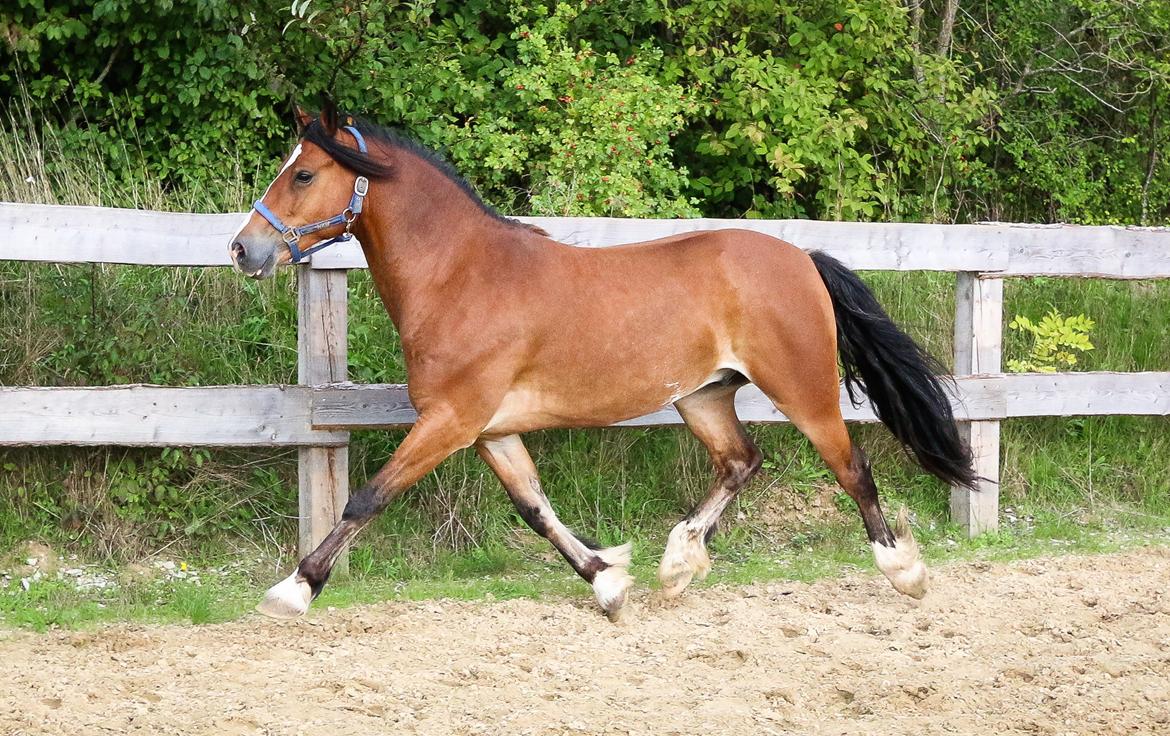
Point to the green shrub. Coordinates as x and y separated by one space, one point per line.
1056 340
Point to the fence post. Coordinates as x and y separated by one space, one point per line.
978 349
322 472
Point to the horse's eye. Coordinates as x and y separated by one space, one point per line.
304 177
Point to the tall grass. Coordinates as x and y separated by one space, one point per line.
77 325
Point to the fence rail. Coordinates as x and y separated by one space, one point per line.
69 234
296 416
316 415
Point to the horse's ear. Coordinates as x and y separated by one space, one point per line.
303 119
329 116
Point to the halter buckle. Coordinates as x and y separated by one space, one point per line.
290 236
361 185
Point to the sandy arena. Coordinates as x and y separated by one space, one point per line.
1075 645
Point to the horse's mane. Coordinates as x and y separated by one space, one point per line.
364 165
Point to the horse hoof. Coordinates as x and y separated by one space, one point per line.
286 600
685 558
611 587
901 563
674 577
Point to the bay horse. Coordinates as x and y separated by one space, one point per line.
506 331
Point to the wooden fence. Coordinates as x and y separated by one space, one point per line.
316 415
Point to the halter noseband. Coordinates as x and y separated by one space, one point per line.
292 235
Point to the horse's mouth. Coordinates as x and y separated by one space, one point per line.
266 269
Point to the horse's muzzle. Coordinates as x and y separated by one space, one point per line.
254 257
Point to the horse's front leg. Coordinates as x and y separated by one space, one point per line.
605 569
434 436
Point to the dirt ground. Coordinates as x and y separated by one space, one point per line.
1074 645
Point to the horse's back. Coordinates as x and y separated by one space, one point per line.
729 275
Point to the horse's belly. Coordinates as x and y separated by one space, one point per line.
527 409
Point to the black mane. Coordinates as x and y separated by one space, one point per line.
364 165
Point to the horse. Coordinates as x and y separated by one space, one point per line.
505 331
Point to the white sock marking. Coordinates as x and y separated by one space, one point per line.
619 556
611 586
685 558
287 599
902 565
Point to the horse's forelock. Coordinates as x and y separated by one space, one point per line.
350 158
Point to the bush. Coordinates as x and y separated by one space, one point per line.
1056 340
721 108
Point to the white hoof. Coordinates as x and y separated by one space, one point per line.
685 558
902 563
287 599
611 587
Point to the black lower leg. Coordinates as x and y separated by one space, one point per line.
731 475
361 507
366 503
317 565
535 511
864 492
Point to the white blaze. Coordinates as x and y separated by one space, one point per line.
292 157
296 152
244 224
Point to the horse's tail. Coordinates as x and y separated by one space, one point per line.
904 383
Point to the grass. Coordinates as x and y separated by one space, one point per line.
1085 484
500 573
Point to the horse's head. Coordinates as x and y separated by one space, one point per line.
313 201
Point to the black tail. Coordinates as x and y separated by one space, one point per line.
904 383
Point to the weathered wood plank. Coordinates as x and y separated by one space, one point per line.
362 406
67 234
383 406
322 319
1087 394
1009 249
978 324
160 416
279 416
861 245
1106 251
981 398
322 472
978 511
978 349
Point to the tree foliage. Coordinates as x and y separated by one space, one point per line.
848 109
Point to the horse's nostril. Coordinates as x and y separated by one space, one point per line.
238 251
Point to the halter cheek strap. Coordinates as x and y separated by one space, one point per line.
292 235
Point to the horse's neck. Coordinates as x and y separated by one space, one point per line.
419 236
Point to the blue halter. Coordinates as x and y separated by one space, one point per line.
292 235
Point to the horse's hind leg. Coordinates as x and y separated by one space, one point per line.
710 414
605 569
810 399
